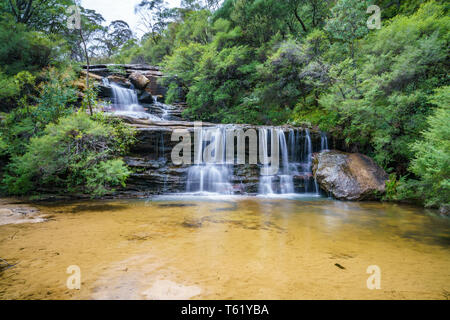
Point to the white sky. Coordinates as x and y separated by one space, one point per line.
120 10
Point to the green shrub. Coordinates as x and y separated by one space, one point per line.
392 185
432 153
55 100
22 49
2 146
76 154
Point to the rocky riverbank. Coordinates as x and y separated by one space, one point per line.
14 211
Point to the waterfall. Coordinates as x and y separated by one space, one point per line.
165 111
125 99
125 102
285 161
308 149
292 142
265 180
323 141
286 178
210 173
283 181
301 150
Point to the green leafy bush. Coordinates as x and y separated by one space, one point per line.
76 154
22 49
432 153
379 98
55 99
2 146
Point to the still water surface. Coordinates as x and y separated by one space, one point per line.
186 247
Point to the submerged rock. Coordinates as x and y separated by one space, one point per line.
445 210
13 214
349 176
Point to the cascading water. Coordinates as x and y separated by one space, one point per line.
282 181
125 102
165 111
265 179
210 173
286 178
125 99
293 167
323 141
301 160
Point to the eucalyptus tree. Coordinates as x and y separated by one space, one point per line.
41 15
111 39
155 16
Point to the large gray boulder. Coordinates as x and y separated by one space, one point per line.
349 176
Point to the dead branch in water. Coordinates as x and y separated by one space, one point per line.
5 265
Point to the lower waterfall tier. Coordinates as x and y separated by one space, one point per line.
155 173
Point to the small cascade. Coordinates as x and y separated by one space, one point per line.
265 179
125 102
125 99
301 150
308 150
162 106
323 141
286 177
210 173
165 112
281 182
161 148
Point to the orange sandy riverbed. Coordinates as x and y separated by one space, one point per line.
237 248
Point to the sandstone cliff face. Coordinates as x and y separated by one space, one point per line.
349 176
143 77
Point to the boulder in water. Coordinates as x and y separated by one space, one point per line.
139 80
349 176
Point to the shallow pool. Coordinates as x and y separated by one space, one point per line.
228 247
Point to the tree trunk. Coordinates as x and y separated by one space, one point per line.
299 19
87 69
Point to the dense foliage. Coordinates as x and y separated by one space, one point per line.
48 143
76 154
432 162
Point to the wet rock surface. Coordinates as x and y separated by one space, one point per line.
13 212
155 173
349 176
142 76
